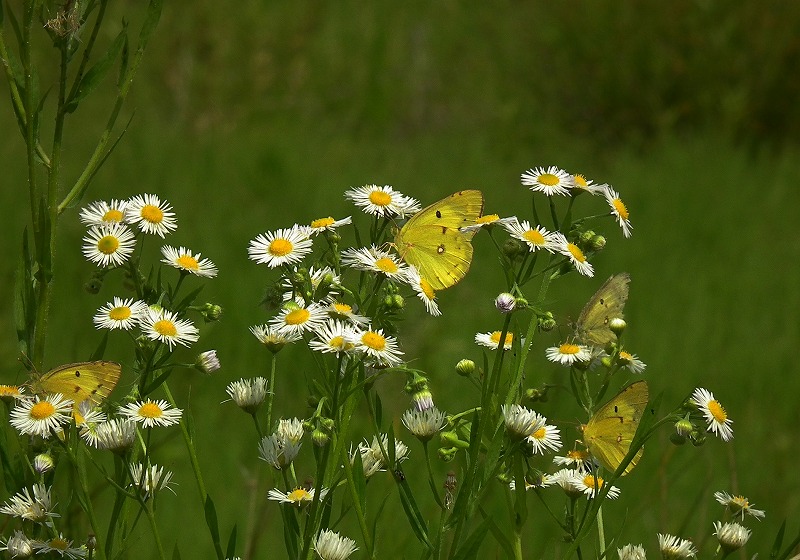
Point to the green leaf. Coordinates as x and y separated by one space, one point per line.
24 300
469 550
498 535
213 525
176 554
101 348
413 514
378 410
790 547
360 482
776 546
231 550
187 301
98 71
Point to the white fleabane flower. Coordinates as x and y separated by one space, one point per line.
328 224
294 319
631 362
424 424
521 422
739 506
152 413
382 201
545 439
619 211
372 458
284 246
62 546
35 505
298 496
335 337
150 480
380 349
185 261
582 184
273 338
41 416
151 214
632 552
165 327
339 310
116 435
101 213
248 394
17 545
375 259
423 290
108 245
330 545
731 536
536 238
715 415
120 314
576 257
549 181
675 548
592 485
492 340
568 353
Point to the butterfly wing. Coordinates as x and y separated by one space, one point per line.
81 381
606 304
609 433
432 241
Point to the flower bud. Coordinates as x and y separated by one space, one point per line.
448 454
423 400
684 426
586 237
597 243
617 325
465 367
513 248
677 439
43 463
697 438
93 286
207 362
505 302
546 322
211 312
320 438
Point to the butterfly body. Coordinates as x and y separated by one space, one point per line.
609 432
606 304
433 242
80 381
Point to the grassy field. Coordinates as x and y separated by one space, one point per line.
248 136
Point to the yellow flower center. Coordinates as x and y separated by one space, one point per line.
539 434
580 182
58 543
42 410
548 179
625 356
280 247
620 208
108 245
487 219
578 455
299 495
534 236
496 337
152 214
593 482
165 327
336 342
150 410
373 340
113 215
717 411
426 288
9 391
380 198
188 262
297 317
576 252
120 313
386 265
322 222
569 348
342 308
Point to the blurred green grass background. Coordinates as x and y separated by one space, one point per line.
252 118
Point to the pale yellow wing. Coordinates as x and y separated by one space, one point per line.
606 304
432 241
609 433
80 381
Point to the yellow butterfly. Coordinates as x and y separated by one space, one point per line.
80 381
432 241
606 304
609 433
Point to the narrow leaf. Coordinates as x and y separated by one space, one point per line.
213 525
469 550
101 348
231 550
98 71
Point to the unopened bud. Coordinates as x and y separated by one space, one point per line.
505 302
465 367
617 325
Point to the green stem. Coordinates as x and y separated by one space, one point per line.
601 534
271 390
351 485
148 511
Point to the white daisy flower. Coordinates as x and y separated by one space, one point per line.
487 221
330 545
153 216
520 421
164 326
35 505
382 350
41 416
576 257
591 485
383 201
120 314
375 259
152 413
328 224
619 210
579 459
295 319
717 418
582 184
372 458
731 536
738 505
185 261
88 419
17 545
424 424
284 246
492 340
336 337
273 338
207 362
549 181
278 450
545 439
11 393
101 213
569 481
109 245
62 546
631 362
117 435
291 429
150 480
248 394
423 290
339 310
298 496
536 238
675 548
568 353
632 552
